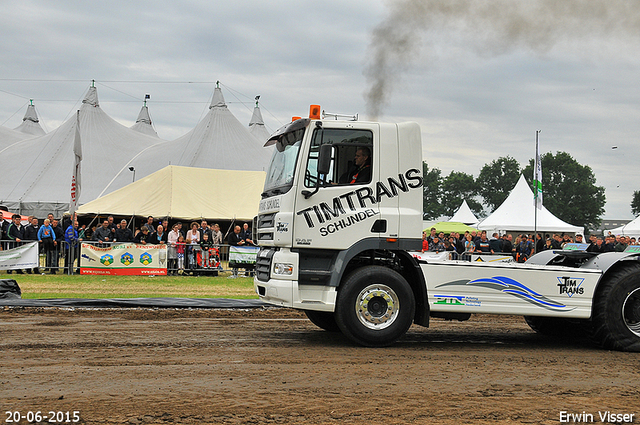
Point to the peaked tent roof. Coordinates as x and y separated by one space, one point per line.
8 137
40 182
143 123
517 213
631 229
171 192
464 214
219 141
256 126
30 122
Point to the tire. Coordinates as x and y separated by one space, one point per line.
558 327
375 306
616 310
323 320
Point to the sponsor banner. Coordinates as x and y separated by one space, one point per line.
123 259
22 257
243 254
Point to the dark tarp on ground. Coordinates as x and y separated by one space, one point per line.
9 290
10 296
135 302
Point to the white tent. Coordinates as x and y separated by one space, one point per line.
186 193
256 125
517 214
219 141
30 123
37 172
8 137
631 229
464 214
143 123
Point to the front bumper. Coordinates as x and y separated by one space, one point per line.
287 293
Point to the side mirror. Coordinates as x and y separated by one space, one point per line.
324 159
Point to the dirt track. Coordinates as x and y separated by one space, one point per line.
142 366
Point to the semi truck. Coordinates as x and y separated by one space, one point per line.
339 229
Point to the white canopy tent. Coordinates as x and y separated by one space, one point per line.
37 172
256 126
143 123
219 141
30 123
464 215
186 193
517 214
8 137
631 229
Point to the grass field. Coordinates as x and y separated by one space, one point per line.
84 286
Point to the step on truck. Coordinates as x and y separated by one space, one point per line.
339 228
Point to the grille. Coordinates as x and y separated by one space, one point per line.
263 264
266 220
266 223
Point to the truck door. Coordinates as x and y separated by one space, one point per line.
337 209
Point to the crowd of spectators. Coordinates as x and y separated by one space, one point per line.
524 245
187 250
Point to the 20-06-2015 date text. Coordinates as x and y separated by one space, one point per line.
56 417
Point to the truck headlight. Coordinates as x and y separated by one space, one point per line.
283 269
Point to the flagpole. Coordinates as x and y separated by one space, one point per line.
536 183
75 178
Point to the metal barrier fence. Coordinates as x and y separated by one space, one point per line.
65 259
486 257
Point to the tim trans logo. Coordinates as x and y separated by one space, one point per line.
282 227
570 286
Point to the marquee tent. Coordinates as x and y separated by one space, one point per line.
30 123
450 226
218 141
143 123
256 125
631 229
37 171
9 137
464 214
517 214
185 193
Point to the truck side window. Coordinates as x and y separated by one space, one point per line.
351 160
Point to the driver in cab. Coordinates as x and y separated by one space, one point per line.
360 171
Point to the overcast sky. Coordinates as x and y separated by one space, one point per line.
479 77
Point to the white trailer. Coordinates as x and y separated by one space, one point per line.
338 236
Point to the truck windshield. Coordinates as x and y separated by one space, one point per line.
283 163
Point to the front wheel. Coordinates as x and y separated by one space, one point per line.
616 317
375 306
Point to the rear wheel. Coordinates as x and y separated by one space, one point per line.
375 306
616 317
323 320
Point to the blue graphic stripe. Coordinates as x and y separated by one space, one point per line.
506 282
536 300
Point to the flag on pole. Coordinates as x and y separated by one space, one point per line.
75 178
537 178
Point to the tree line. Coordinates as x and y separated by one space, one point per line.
569 189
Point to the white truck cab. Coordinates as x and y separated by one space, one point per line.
339 228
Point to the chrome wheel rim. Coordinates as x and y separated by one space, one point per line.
631 311
377 306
